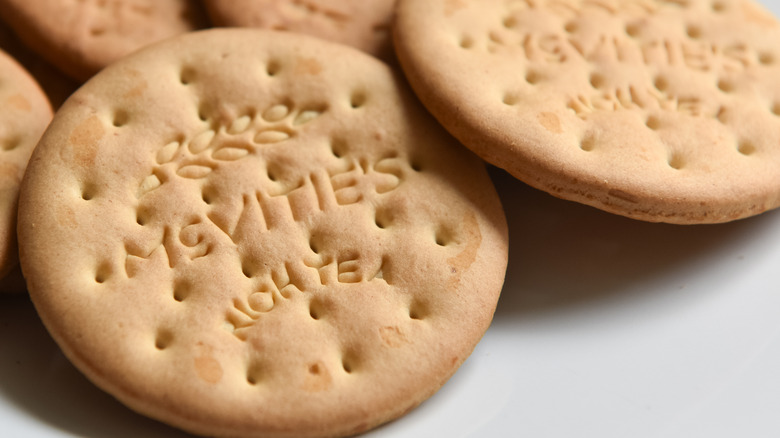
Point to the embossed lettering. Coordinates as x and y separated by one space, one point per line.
363 178
272 288
638 98
567 8
554 47
276 202
235 139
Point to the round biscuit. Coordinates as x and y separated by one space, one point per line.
364 24
252 233
56 85
81 37
24 114
662 111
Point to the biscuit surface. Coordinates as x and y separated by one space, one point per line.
24 114
81 37
657 110
232 233
364 24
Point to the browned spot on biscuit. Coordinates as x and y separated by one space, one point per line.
318 378
146 10
17 101
452 6
466 258
392 336
550 121
308 66
66 217
208 369
11 172
84 140
136 91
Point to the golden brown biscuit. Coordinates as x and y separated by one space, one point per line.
24 114
55 84
364 24
252 233
81 37
657 110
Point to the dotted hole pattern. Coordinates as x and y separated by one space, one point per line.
164 338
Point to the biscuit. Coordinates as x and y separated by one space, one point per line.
24 114
54 83
657 110
252 233
364 24
82 37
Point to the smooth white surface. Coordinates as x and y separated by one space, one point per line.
606 327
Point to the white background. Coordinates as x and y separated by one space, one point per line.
606 327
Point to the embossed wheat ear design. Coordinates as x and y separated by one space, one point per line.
197 157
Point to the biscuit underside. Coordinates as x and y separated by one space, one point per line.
660 111
252 233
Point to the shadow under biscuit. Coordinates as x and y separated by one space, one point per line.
568 257
37 379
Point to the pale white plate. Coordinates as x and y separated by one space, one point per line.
606 327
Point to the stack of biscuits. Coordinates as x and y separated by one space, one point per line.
273 218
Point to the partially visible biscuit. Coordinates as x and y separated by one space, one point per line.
54 83
24 114
657 110
253 233
82 37
364 24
